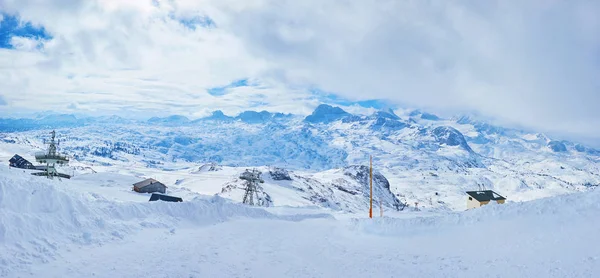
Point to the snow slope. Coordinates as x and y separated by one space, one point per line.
52 229
38 216
345 189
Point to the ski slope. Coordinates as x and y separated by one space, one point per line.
54 229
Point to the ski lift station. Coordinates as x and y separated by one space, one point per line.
49 160
52 158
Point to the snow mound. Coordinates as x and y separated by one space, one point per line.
576 206
38 215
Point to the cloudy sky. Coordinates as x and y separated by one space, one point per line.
531 63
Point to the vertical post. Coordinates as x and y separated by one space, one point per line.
380 208
371 187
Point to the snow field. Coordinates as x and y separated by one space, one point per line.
51 229
38 218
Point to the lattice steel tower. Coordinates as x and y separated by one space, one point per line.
252 179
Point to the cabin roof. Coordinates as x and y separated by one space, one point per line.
485 195
147 182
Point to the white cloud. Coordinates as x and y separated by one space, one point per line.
535 63
109 54
25 44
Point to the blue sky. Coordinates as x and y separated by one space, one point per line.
11 26
196 22
528 63
222 90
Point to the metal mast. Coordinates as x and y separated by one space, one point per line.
51 159
252 179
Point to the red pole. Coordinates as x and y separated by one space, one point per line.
371 188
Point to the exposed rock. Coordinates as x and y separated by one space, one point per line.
279 174
557 146
210 167
381 185
451 137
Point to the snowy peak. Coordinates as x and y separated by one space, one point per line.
59 118
583 149
387 124
253 117
570 147
217 115
463 119
174 119
449 136
424 115
325 114
387 114
386 120
48 121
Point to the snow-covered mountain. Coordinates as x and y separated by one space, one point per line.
426 159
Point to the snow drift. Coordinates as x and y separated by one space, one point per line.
576 206
38 216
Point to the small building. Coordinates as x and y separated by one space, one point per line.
479 198
166 198
149 186
19 162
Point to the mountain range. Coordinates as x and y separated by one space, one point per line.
427 159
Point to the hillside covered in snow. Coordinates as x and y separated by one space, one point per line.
95 226
425 159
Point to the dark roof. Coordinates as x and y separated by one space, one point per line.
167 198
20 162
485 195
147 182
